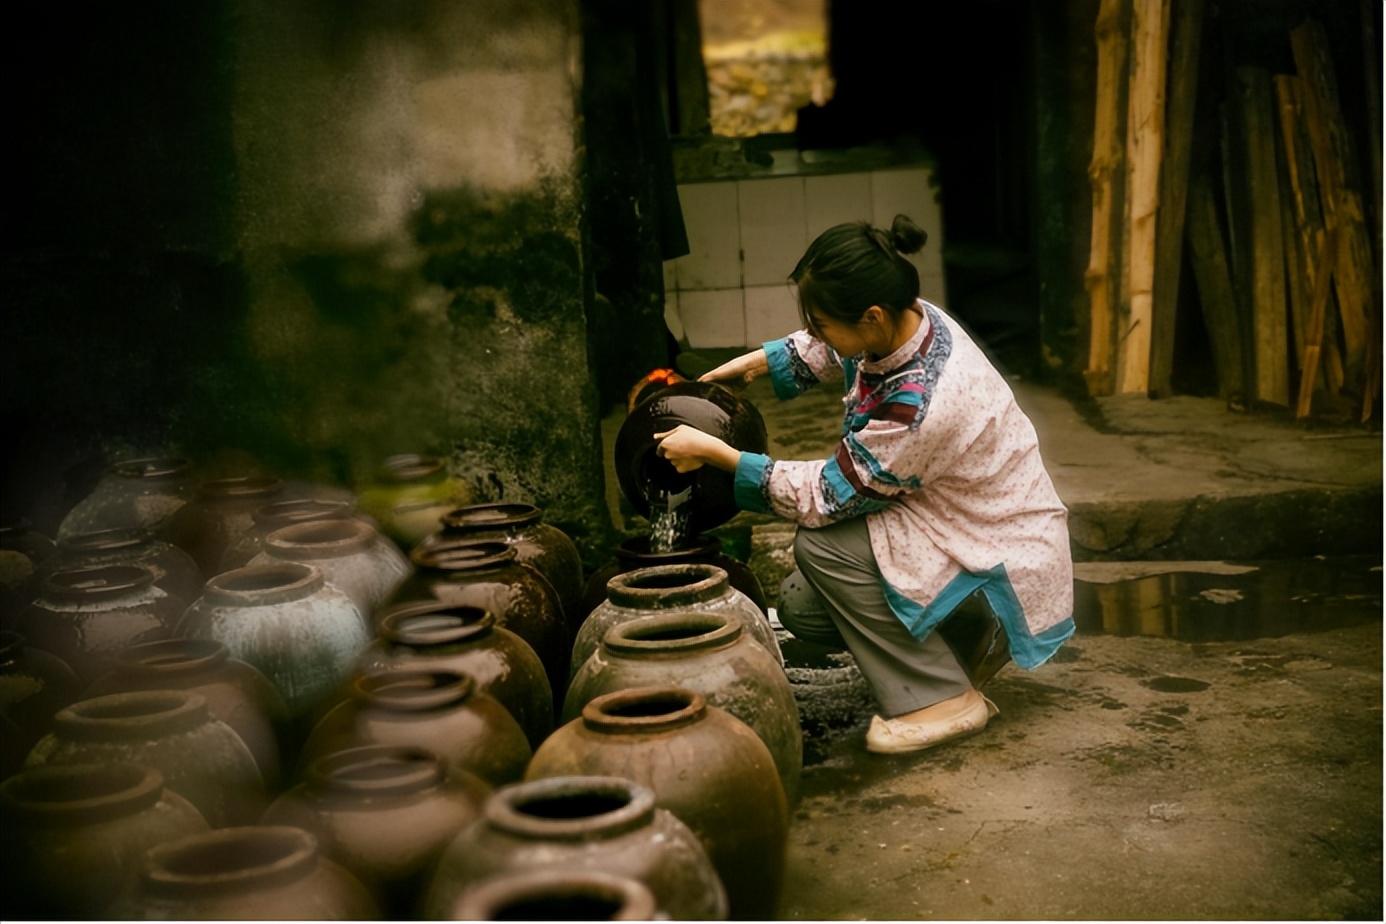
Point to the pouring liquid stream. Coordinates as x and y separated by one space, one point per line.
669 519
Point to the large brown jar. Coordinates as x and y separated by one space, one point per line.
75 836
385 813
649 591
236 693
702 550
576 824
201 758
217 516
440 711
409 496
277 515
86 616
710 654
34 685
141 493
545 548
733 802
350 554
488 576
433 635
174 571
284 620
246 874
557 895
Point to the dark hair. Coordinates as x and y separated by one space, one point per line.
850 267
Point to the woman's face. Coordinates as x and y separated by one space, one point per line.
845 339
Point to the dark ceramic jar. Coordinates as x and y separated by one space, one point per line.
649 591
385 814
582 823
647 479
200 757
285 621
487 575
350 554
703 550
174 571
218 515
440 711
545 548
557 895
34 685
23 551
277 515
75 836
138 493
432 635
86 616
709 653
734 802
409 496
246 874
236 693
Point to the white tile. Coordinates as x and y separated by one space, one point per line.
907 191
672 318
933 288
771 313
772 228
713 317
833 200
714 240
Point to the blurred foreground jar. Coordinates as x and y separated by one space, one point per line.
701 550
139 493
556 895
578 824
260 873
220 512
174 571
34 685
277 515
349 552
385 813
285 621
733 802
23 550
409 495
200 757
75 836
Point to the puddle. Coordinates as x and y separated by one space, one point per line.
1276 598
1175 684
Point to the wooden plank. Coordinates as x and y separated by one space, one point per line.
1269 339
1371 61
1314 327
1185 33
1208 254
1107 185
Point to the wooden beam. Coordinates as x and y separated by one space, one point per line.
1181 101
1213 275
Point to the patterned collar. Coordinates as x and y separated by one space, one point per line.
917 344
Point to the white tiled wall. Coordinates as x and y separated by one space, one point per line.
746 236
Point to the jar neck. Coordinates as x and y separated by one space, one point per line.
142 715
82 793
320 540
376 772
554 895
413 691
434 624
462 556
677 633
128 542
264 585
305 510
172 659
668 586
644 710
240 489
571 808
231 859
98 583
477 518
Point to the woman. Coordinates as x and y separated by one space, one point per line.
935 492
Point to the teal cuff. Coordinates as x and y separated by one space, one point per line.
781 375
751 473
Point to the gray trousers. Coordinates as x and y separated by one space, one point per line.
835 599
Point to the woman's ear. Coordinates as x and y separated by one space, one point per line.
875 316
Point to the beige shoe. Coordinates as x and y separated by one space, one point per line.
964 714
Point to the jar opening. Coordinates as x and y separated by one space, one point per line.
409 466
378 770
231 858
571 807
82 791
643 709
434 623
299 511
575 805
556 895
152 468
173 656
244 487
491 516
99 582
145 714
462 555
106 540
325 538
666 586
675 631
566 905
414 691
259 585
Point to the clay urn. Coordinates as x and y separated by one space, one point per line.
409 495
219 513
260 873
731 797
75 835
433 635
173 731
545 548
349 552
440 711
573 824
86 616
487 575
23 551
702 550
650 591
140 493
271 517
236 693
174 571
557 895
34 685
385 814
284 620
709 653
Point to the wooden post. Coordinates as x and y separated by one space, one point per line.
1214 278
1145 142
1106 174
1181 100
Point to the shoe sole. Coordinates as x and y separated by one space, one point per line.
910 748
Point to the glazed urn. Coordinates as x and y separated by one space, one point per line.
34 685
571 824
554 895
174 571
349 552
219 513
274 516
409 496
636 553
141 493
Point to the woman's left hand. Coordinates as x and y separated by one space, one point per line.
688 449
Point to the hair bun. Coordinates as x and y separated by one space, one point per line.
907 236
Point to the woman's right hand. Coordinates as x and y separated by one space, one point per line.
744 368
